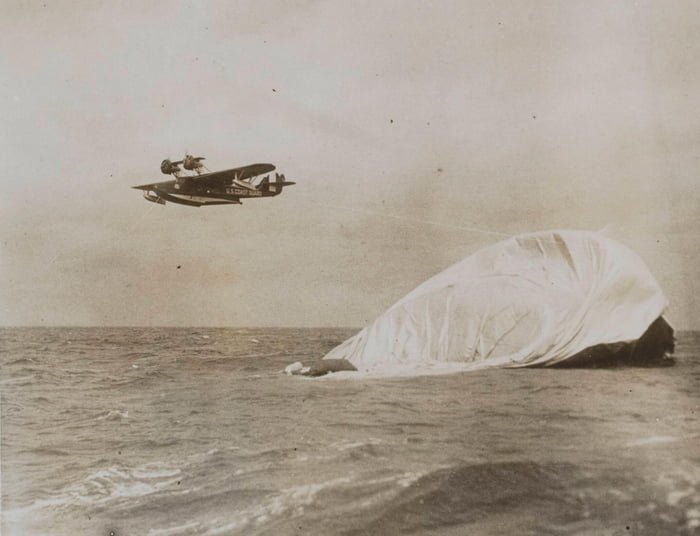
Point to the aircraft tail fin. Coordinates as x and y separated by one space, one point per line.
280 182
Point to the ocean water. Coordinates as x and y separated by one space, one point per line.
169 432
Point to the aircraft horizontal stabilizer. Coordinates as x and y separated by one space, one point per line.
281 180
276 186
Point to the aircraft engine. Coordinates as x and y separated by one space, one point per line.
168 168
193 163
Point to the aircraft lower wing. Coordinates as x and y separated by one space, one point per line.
151 186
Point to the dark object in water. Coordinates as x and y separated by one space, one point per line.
653 348
320 367
324 366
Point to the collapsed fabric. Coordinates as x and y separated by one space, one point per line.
532 300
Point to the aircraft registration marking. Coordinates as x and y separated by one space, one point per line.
244 192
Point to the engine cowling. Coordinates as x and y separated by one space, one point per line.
192 163
168 168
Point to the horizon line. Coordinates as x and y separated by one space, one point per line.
120 326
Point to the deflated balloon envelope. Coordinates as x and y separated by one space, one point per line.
538 299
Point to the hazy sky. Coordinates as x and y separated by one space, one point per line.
408 126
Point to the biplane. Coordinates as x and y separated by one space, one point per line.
200 188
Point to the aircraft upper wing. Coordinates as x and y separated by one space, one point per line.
219 178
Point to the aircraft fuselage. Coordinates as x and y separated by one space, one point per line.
198 195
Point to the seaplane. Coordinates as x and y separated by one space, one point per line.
201 187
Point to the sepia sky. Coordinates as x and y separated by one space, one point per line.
417 133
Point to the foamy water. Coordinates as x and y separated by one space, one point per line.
173 432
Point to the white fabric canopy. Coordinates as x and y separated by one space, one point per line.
534 299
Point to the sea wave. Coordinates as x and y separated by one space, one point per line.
204 440
113 415
21 381
289 503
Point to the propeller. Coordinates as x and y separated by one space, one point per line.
168 168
